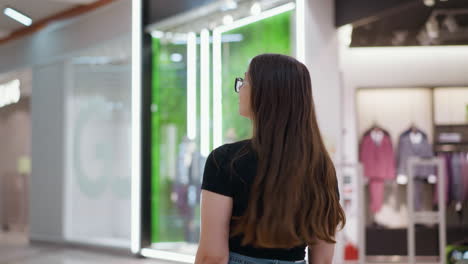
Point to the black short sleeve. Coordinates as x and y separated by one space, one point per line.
216 175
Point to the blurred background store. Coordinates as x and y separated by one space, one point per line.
109 108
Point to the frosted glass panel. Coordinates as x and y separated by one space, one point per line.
98 145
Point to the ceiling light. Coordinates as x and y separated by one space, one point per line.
18 16
229 5
157 34
429 2
256 9
228 19
212 25
176 57
345 35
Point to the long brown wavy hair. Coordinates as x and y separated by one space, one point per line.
294 199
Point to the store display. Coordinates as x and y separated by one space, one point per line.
452 147
377 156
177 163
170 183
414 143
431 130
236 59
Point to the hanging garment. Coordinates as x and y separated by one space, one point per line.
457 177
415 144
446 157
377 157
464 166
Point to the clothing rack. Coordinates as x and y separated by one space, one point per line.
426 217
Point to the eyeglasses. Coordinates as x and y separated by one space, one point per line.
238 84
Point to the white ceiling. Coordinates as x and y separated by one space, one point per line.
36 9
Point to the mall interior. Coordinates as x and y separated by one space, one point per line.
109 109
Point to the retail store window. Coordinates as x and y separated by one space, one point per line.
191 115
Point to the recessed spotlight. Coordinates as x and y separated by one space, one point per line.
229 5
18 16
157 34
176 57
256 9
168 35
228 19
429 2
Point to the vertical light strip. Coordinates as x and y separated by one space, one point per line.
300 30
217 91
166 255
136 127
192 86
205 92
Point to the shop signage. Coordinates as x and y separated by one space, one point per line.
9 92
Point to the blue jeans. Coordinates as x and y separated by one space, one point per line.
235 258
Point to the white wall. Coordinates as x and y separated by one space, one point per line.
450 105
321 57
395 109
46 52
46 188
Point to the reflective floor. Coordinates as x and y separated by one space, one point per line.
14 248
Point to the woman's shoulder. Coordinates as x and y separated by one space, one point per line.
230 147
226 151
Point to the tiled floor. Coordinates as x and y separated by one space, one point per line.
14 249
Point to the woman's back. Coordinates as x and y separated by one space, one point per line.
230 170
269 196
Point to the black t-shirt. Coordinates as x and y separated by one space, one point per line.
220 178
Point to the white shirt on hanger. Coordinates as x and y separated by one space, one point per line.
416 137
377 136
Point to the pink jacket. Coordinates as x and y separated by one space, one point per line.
378 159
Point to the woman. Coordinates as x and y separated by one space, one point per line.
265 199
